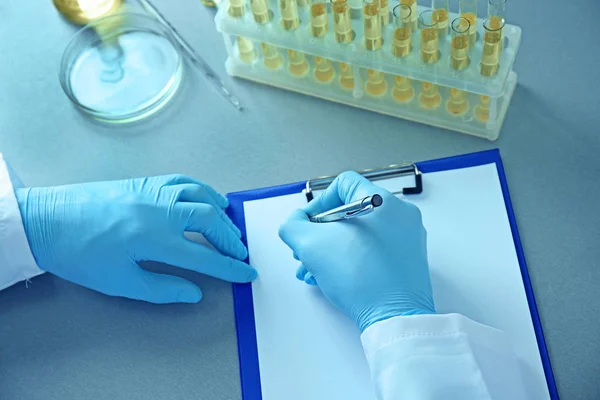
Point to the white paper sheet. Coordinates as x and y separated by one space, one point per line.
309 350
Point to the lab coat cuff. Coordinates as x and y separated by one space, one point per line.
16 260
411 327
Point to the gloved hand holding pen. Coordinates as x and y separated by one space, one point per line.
94 234
373 267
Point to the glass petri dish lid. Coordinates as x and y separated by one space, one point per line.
121 68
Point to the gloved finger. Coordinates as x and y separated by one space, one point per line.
304 274
193 193
346 188
177 179
310 279
205 219
296 257
295 229
161 289
301 272
195 257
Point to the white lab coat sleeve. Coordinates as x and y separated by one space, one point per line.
427 357
16 260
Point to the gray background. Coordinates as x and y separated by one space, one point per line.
59 341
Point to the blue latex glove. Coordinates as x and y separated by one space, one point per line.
94 234
372 267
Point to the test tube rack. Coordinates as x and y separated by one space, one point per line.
250 47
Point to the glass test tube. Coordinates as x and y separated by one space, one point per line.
468 10
246 50
482 110
302 3
459 48
429 37
441 9
430 97
324 71
375 84
414 12
271 57
346 76
497 8
260 11
457 103
372 20
401 45
341 21
298 66
384 12
496 13
492 46
403 91
289 14
236 8
318 18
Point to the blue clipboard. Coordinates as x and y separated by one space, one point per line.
242 293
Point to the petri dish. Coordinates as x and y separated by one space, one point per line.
121 68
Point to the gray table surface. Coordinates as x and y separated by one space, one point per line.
60 341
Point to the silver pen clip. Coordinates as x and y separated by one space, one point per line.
366 207
359 213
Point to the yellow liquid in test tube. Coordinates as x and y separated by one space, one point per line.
482 110
429 37
298 65
403 91
341 21
457 103
324 71
260 11
384 11
272 59
459 53
236 8
492 46
459 47
430 97
402 42
414 12
318 19
429 45
442 22
472 18
346 76
372 22
375 84
289 14
246 50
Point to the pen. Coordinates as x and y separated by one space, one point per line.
209 74
356 209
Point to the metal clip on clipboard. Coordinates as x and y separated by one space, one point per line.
391 171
